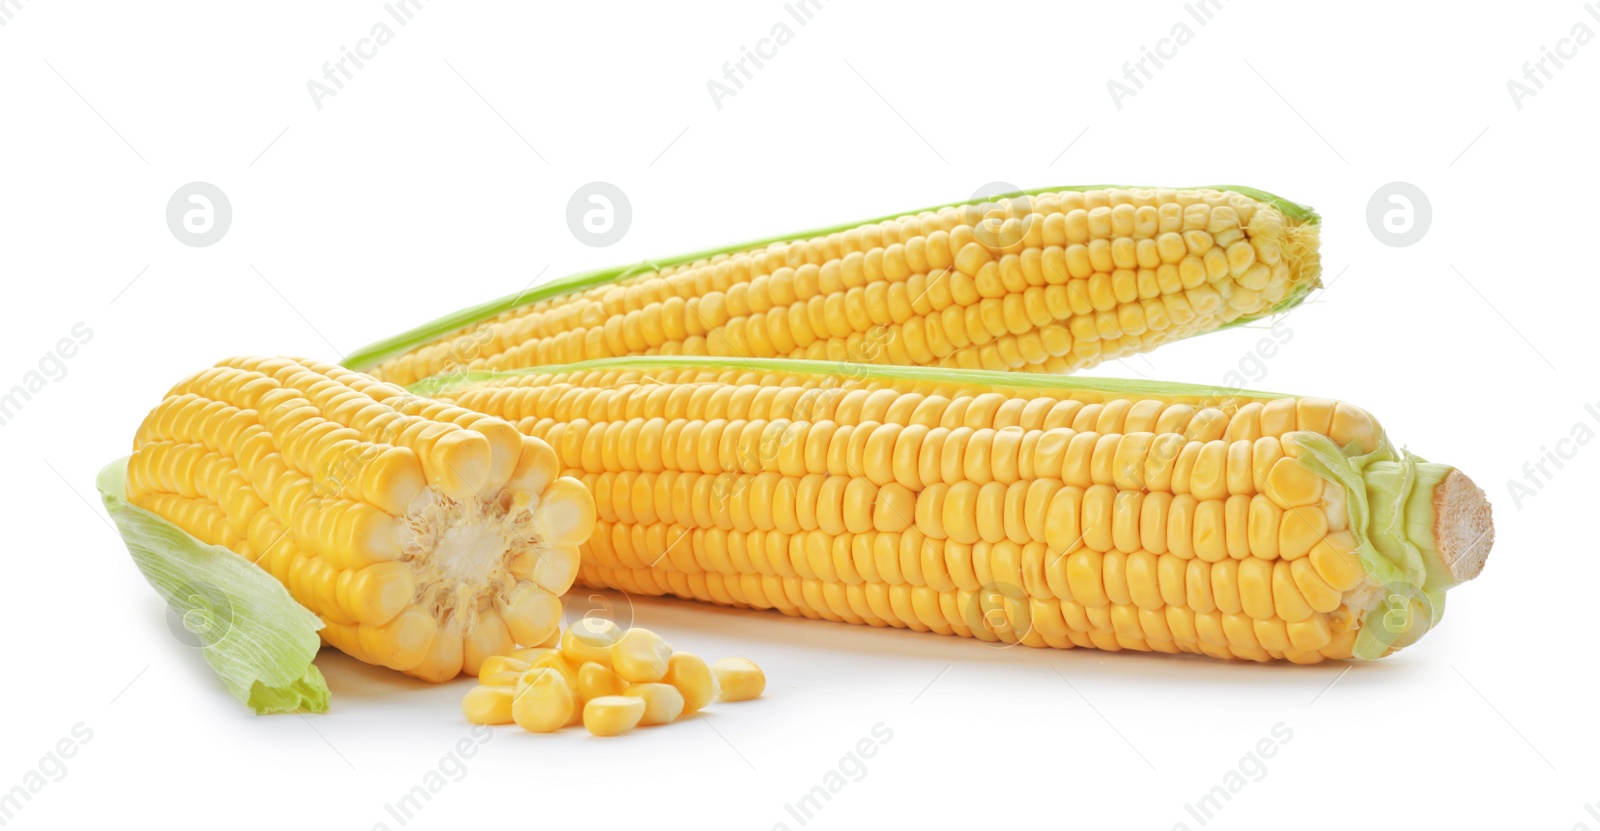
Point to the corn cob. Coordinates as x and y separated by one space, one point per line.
1050 281
427 537
1048 511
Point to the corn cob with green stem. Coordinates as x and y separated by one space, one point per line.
1053 280
1047 511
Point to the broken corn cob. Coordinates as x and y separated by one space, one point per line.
1011 508
1053 280
427 537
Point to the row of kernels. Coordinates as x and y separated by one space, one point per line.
764 501
683 405
776 457
347 532
992 615
970 614
199 418
1126 303
1089 575
201 518
327 449
766 395
1104 518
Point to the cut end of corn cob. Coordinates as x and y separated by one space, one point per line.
1463 526
1010 508
1051 281
426 537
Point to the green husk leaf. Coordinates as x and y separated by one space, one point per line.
1386 492
383 350
257 639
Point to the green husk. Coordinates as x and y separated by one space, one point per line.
376 353
1389 499
257 639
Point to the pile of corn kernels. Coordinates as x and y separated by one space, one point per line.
610 679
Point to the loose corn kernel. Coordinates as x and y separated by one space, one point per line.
543 701
739 679
560 663
640 656
501 671
611 715
595 680
488 705
590 639
531 654
688 673
662 702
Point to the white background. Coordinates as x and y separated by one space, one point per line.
439 177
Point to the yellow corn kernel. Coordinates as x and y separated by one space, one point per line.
662 702
739 679
689 674
488 705
640 656
611 715
1335 560
543 702
531 654
1299 530
501 671
1291 484
556 661
590 639
595 680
